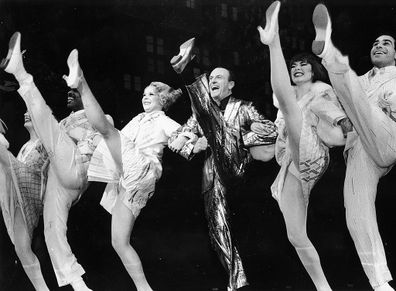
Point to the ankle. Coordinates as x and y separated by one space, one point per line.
79 285
384 287
21 75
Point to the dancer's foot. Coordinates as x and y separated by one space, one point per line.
384 287
180 61
322 23
75 72
13 63
271 23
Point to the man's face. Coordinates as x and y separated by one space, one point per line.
74 100
27 120
383 51
219 84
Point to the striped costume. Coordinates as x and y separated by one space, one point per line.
321 111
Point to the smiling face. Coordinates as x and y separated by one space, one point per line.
74 101
301 72
383 51
220 85
151 100
27 121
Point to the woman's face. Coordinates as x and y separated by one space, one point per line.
301 72
151 100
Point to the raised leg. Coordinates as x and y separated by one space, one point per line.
376 130
93 110
280 81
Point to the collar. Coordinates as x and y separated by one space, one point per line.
77 112
153 114
388 69
224 102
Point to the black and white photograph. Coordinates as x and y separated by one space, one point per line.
197 145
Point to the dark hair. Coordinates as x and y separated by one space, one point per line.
388 33
231 74
319 72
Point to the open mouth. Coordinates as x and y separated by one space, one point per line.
298 74
214 87
376 53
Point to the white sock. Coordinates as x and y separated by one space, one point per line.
384 287
310 259
33 271
138 277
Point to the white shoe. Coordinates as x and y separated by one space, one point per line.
13 63
75 73
180 61
271 23
322 24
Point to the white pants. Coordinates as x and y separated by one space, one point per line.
66 182
370 156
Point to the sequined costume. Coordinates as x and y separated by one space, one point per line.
320 111
229 138
142 142
25 179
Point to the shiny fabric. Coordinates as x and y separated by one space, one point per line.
229 137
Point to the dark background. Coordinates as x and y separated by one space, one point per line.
123 45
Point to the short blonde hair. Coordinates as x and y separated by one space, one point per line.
167 94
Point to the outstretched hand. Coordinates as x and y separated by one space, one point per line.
178 143
386 102
200 145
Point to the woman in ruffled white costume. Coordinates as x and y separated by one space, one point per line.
22 185
308 126
130 161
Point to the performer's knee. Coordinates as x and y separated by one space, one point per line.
120 244
23 250
299 239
